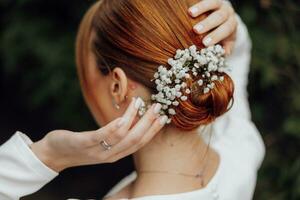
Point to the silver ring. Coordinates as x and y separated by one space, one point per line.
105 145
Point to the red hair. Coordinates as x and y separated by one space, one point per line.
138 36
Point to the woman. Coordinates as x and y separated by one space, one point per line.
205 152
38 163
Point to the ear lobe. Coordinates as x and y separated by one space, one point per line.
119 86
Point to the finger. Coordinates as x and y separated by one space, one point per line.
204 6
138 130
222 32
212 21
146 121
131 112
116 130
154 129
228 44
113 138
90 138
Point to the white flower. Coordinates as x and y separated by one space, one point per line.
200 82
186 63
157 81
177 87
169 121
159 87
175 103
172 111
169 103
177 81
178 94
211 86
214 78
183 98
207 74
206 90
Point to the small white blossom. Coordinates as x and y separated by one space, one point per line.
200 82
177 81
172 111
206 90
214 78
178 94
183 98
175 103
177 87
171 81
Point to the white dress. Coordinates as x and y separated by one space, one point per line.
235 138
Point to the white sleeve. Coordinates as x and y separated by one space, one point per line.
21 172
239 63
236 125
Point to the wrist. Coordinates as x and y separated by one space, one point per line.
48 156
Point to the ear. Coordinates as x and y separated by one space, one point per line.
119 85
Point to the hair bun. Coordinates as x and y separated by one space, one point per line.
202 109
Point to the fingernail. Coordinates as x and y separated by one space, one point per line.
138 103
163 120
121 122
194 11
157 108
207 41
198 28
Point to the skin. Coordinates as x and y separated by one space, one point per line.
61 149
222 23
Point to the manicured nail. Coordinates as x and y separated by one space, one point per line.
138 103
121 122
163 120
207 41
157 108
194 11
133 99
198 28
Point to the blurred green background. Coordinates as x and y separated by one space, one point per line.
40 90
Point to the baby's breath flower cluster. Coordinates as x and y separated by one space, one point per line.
201 66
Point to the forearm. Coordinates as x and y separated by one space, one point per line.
48 157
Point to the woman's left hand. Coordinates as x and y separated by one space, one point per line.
221 22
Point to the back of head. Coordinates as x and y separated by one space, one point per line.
139 36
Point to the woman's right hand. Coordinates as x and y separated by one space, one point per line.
62 149
221 24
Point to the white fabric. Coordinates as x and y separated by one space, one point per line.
235 138
21 172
